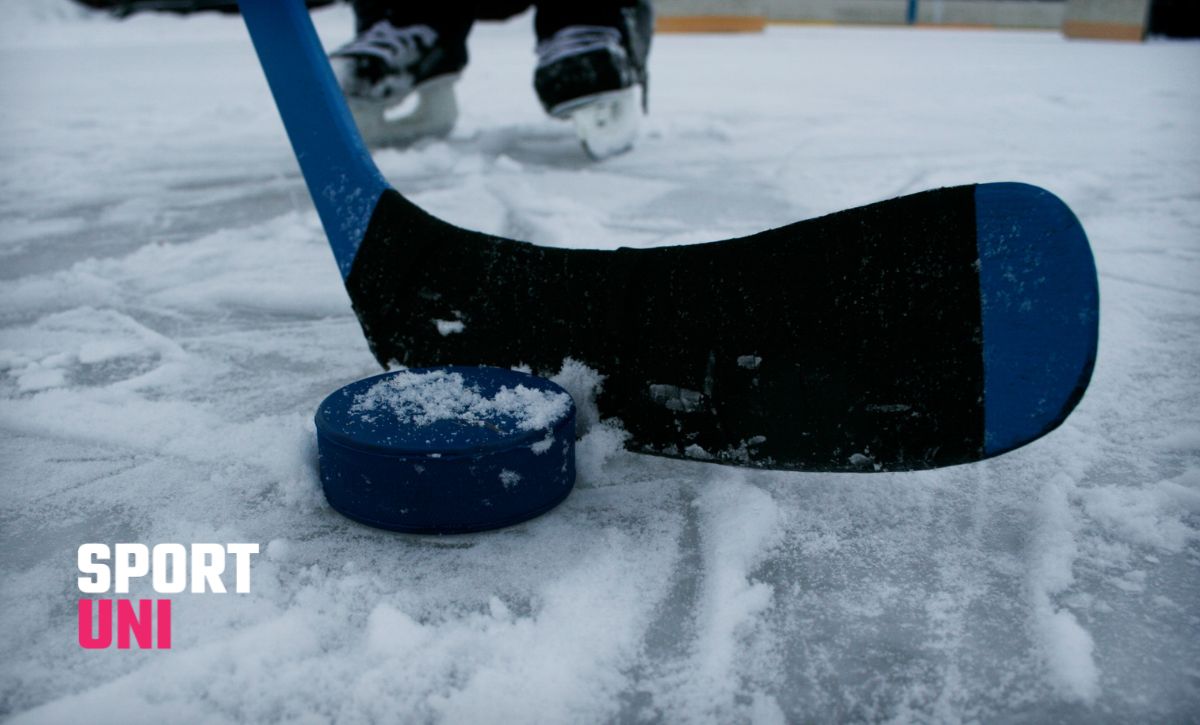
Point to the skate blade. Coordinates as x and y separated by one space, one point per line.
606 123
382 122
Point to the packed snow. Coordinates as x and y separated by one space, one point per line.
421 398
170 317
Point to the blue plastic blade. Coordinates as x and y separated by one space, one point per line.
1040 309
344 182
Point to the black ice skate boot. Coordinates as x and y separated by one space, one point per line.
591 74
380 68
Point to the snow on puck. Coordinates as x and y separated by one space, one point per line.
446 450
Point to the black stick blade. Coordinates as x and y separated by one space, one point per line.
851 342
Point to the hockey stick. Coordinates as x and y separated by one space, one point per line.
935 329
343 181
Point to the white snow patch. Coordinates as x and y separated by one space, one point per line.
595 450
90 346
422 399
35 377
543 445
1184 490
1066 647
279 549
1154 516
391 631
1186 440
449 327
509 478
739 524
584 384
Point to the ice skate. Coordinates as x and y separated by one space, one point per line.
606 123
592 75
386 66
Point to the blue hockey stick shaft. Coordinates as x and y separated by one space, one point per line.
344 182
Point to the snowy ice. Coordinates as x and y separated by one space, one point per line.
170 317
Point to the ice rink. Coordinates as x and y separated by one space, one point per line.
170 317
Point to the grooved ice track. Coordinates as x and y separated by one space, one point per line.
170 316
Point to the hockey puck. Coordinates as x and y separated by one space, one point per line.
446 450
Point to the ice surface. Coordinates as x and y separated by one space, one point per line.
170 317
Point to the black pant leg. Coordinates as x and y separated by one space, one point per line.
554 15
452 20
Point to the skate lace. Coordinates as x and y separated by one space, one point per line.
398 47
576 39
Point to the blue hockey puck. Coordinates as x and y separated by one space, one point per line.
446 450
